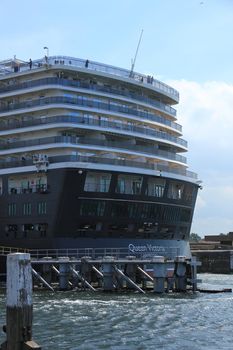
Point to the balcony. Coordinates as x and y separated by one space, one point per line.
99 124
43 189
89 103
79 142
6 67
92 87
104 161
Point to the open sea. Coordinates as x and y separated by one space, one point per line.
91 321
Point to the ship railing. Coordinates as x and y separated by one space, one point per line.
88 102
97 186
103 124
29 189
9 144
159 169
100 67
7 68
141 252
95 87
89 119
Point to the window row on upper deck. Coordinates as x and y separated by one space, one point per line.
133 185
92 143
89 84
86 121
15 66
10 105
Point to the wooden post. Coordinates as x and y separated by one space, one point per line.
19 304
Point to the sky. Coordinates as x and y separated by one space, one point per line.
185 43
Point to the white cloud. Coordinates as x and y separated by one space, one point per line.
205 112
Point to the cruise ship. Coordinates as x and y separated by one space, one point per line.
91 156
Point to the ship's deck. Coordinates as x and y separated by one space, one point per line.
10 66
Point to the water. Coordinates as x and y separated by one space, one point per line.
98 321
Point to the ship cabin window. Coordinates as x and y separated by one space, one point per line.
27 208
183 231
102 120
155 187
167 230
42 208
86 227
185 215
42 228
88 118
11 231
97 182
12 209
11 228
175 190
120 228
151 227
28 227
120 210
170 214
27 184
92 208
129 184
188 193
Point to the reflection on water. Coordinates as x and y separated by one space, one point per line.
91 321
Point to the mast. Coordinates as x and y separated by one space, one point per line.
134 60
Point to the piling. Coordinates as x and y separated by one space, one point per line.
58 274
115 273
47 271
170 275
180 273
64 270
145 274
107 270
19 304
130 270
42 280
86 270
85 283
128 280
159 269
193 263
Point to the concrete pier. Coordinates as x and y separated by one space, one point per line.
214 261
170 275
128 280
108 273
64 270
131 270
180 271
159 268
112 273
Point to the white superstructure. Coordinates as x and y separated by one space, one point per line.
78 112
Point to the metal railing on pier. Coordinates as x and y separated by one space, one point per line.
8 250
142 252
96 253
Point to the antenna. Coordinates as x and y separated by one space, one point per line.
133 61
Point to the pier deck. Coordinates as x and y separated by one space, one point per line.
110 269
